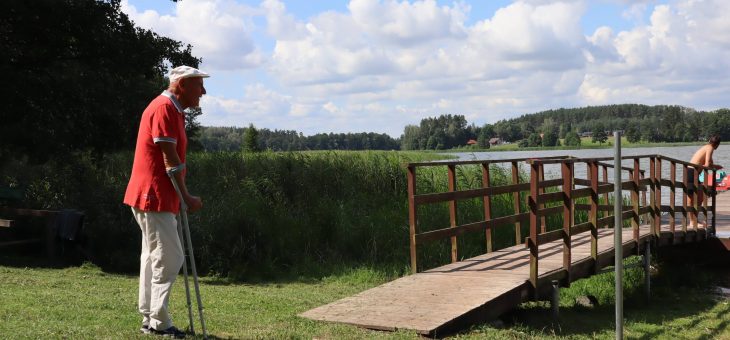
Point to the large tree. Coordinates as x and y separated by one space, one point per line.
77 76
599 134
251 139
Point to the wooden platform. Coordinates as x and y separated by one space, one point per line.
479 288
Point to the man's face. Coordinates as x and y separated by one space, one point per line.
192 90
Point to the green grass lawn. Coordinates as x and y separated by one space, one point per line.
87 303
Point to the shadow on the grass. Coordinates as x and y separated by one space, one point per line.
681 289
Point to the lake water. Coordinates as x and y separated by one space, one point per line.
684 153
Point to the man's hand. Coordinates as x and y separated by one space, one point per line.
194 203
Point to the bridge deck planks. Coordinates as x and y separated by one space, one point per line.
431 300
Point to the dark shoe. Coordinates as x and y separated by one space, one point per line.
171 332
145 329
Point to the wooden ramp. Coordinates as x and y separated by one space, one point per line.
448 298
454 295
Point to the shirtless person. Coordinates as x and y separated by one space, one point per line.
703 157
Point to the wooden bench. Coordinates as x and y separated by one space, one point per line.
47 237
9 195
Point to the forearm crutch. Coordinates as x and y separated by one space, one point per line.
185 276
184 222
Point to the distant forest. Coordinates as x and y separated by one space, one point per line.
660 123
235 139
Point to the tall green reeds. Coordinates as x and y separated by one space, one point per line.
272 213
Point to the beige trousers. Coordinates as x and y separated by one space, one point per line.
160 262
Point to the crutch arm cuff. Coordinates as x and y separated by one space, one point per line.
175 169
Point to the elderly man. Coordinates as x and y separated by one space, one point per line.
161 146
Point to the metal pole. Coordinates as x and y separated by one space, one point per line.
617 228
195 271
647 270
185 271
555 301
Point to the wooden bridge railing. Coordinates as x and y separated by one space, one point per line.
566 190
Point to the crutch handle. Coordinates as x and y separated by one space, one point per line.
171 173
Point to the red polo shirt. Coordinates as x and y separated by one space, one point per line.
149 188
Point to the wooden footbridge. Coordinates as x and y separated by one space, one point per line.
466 291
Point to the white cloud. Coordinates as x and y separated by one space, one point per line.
401 53
281 25
671 60
381 65
405 23
218 30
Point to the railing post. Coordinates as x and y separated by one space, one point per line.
593 214
487 200
412 218
672 196
452 211
534 221
635 201
516 202
541 190
643 195
606 213
658 198
567 173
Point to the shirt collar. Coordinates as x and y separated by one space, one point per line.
174 101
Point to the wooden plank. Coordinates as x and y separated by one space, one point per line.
474 162
412 218
20 242
517 202
452 212
27 212
442 233
487 202
472 193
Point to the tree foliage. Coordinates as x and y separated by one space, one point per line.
599 134
572 139
443 132
77 76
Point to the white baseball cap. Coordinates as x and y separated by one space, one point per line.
182 72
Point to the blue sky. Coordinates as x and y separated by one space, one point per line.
379 65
